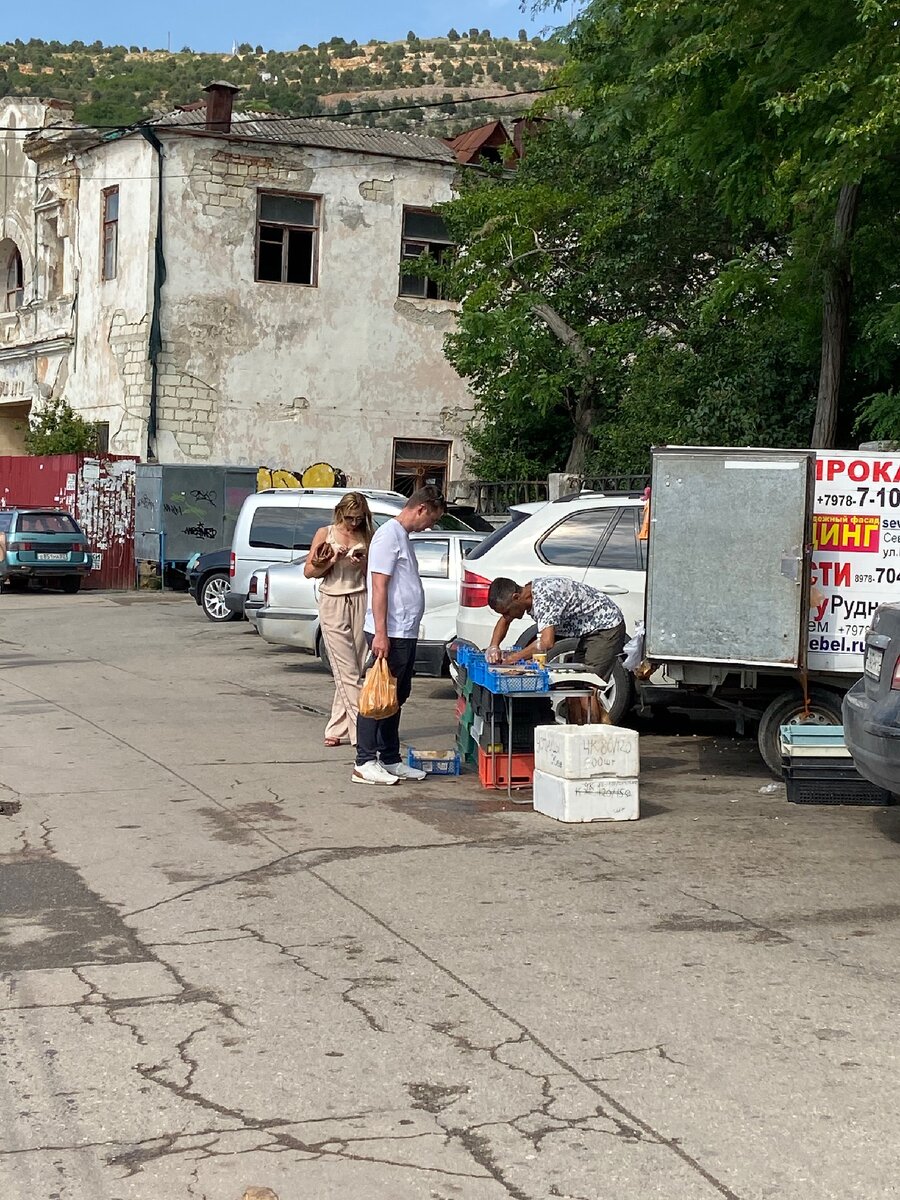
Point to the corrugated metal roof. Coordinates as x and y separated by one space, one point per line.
323 133
467 145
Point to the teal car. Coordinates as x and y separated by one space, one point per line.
45 544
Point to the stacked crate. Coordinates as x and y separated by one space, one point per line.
491 731
586 773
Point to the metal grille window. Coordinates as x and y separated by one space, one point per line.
424 232
15 282
419 463
110 243
287 246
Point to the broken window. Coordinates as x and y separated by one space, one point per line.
14 281
424 232
287 245
110 245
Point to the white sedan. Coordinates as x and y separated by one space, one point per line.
290 612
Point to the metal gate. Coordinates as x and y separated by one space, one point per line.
98 492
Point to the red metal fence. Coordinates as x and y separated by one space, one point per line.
98 492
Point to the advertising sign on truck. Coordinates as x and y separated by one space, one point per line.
856 554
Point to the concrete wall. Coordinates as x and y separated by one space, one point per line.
251 373
284 374
111 372
37 215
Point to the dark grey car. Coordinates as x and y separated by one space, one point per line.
871 708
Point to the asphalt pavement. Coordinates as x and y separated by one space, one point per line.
225 967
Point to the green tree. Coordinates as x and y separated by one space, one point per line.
58 429
787 112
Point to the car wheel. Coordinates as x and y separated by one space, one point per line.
622 695
71 584
213 590
789 709
18 583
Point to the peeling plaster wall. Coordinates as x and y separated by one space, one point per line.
37 218
279 373
110 380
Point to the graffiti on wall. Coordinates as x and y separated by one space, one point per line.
320 474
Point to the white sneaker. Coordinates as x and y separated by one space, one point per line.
373 773
401 771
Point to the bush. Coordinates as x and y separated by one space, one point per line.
58 429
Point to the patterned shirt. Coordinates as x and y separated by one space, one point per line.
573 609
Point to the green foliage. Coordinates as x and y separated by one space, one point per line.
57 429
680 228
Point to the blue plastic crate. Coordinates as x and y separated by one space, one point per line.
530 679
447 764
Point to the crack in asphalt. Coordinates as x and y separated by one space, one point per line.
627 1124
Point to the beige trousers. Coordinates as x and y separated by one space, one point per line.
341 621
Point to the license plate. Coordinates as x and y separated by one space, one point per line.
874 655
52 557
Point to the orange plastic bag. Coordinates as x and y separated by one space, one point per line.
378 698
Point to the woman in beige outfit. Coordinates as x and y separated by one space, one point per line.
337 558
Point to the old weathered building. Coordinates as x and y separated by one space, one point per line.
227 288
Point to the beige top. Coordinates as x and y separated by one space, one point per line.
346 576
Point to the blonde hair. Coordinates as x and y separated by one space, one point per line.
354 504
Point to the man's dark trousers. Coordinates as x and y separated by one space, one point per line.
381 739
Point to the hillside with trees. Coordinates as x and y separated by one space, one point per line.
119 85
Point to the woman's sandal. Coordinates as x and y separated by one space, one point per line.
332 742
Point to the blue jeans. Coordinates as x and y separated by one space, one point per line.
381 739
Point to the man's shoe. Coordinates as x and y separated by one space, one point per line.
401 771
373 773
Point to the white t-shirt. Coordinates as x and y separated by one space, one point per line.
391 553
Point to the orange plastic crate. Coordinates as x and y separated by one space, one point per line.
493 770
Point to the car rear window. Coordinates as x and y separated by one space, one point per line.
48 522
497 536
5 521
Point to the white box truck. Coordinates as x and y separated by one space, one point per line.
764 569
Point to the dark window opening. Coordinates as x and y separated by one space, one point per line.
424 232
417 464
110 244
287 239
14 282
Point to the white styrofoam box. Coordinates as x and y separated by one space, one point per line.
587 751
601 799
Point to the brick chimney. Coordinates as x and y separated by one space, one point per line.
219 103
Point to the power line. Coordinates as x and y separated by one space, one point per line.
263 119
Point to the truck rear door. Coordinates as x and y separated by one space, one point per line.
728 571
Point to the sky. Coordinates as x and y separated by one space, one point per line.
276 26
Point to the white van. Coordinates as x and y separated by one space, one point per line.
278 526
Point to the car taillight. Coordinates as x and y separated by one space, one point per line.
231 565
473 591
21 545
76 547
266 590
254 585
895 678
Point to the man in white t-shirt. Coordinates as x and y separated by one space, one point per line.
396 608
